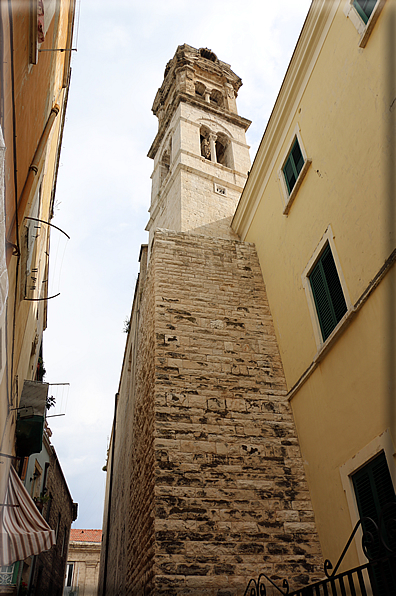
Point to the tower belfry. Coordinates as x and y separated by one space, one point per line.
201 158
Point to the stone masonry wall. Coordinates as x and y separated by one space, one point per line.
126 564
231 498
141 514
49 569
208 487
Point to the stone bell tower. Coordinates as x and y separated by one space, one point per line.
205 481
200 154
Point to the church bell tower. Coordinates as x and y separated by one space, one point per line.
201 158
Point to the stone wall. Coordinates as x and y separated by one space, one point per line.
50 566
216 483
128 525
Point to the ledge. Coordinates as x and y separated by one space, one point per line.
343 324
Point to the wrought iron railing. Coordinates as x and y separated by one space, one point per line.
7 575
377 577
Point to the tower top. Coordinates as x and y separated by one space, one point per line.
200 78
200 155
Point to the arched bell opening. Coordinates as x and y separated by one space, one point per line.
216 98
205 143
200 90
223 150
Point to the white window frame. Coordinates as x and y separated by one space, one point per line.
381 443
289 198
364 29
327 238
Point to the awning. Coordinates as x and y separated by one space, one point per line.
24 531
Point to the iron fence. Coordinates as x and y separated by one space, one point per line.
377 577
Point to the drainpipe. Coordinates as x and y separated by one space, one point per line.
33 171
110 495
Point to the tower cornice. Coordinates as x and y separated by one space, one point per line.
199 103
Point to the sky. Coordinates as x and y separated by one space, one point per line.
103 192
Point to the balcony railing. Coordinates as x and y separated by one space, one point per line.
377 577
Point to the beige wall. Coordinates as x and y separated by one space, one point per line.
337 97
85 557
38 88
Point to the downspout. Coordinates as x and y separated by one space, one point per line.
110 495
33 171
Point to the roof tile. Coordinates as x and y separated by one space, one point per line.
85 535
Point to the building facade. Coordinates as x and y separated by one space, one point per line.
44 574
319 206
83 559
205 483
35 40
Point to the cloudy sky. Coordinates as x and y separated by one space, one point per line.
103 191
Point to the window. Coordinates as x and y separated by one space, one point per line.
205 143
216 98
200 89
164 166
41 15
327 293
293 166
69 575
9 574
36 480
364 8
223 149
363 14
374 491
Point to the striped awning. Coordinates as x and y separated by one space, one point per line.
24 531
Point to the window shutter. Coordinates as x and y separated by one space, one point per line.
293 166
374 489
364 8
327 292
334 285
297 157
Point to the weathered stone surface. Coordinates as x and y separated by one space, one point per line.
217 490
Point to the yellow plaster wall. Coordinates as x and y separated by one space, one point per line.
343 123
344 119
38 88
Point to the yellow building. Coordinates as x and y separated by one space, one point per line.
319 206
35 42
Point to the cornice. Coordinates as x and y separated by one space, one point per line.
201 105
305 55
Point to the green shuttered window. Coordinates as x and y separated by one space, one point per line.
364 8
374 491
327 292
293 166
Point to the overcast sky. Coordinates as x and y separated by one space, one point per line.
103 191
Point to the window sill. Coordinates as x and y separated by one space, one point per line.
338 329
297 185
322 351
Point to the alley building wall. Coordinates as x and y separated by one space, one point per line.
208 483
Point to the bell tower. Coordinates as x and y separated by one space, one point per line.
201 158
